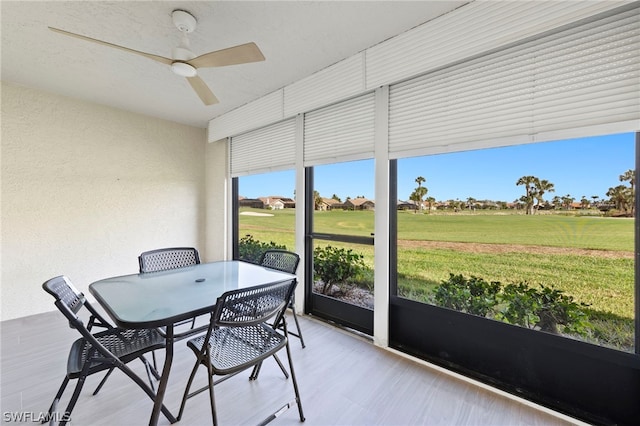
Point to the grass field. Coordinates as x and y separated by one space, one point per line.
592 260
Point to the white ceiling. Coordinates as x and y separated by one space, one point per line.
297 38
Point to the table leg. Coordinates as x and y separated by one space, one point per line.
164 378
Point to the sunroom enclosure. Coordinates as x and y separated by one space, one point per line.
575 78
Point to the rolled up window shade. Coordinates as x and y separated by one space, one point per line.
580 81
340 132
267 149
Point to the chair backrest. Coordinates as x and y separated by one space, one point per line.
168 258
282 260
69 300
253 305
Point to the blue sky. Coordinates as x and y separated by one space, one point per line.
577 167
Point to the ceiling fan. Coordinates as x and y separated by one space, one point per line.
184 62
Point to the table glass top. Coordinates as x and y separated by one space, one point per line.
162 298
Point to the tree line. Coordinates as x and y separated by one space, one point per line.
621 197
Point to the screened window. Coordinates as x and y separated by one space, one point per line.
538 235
266 213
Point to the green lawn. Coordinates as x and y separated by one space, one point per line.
553 230
606 283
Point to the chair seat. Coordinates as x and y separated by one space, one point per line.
124 344
234 349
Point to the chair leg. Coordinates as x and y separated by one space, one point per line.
186 390
103 381
152 368
284 370
295 318
149 369
212 398
257 367
155 365
72 403
255 371
288 405
150 393
56 400
295 383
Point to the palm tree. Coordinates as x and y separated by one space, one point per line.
567 200
529 183
416 196
620 196
584 203
630 176
420 191
542 186
317 200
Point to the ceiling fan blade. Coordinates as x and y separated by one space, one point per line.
156 58
240 54
201 89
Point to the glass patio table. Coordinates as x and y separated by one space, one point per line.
162 299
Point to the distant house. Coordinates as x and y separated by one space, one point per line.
272 203
406 205
289 203
575 206
276 202
359 204
328 204
250 202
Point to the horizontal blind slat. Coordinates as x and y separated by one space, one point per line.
266 149
339 132
587 75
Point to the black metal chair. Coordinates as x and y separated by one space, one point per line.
285 261
239 337
106 350
169 258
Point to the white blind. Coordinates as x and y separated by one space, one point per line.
264 150
572 83
340 132
254 115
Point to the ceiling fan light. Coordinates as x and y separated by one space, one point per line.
183 69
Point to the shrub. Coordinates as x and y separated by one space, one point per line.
546 308
250 249
474 295
334 265
519 309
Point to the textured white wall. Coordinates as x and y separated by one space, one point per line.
218 202
86 188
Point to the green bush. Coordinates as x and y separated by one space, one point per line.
519 309
547 309
250 249
473 296
334 265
